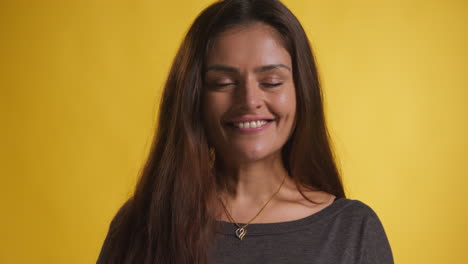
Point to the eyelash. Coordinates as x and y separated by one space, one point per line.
272 84
222 84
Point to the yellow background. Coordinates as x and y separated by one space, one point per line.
80 83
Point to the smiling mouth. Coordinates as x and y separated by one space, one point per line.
250 124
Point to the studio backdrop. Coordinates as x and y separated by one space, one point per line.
81 81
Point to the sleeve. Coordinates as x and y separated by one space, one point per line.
375 247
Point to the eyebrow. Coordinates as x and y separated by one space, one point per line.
264 68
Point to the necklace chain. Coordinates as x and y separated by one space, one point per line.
241 231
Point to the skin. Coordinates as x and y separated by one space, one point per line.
249 74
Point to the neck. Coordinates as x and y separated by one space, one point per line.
254 182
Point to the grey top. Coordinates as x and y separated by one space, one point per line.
345 232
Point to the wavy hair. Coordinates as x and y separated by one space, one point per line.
170 217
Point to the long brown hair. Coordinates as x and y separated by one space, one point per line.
170 218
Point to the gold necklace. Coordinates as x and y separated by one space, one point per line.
241 231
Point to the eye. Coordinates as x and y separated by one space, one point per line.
271 84
223 84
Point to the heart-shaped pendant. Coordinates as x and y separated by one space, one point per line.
241 232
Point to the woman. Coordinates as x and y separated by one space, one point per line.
241 169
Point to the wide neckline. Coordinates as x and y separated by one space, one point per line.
229 228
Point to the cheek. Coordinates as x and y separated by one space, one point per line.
286 103
214 107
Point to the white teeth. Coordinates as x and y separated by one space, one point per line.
251 124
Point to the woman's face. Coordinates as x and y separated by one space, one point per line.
249 101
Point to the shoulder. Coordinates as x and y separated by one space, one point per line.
123 211
112 245
359 224
120 218
354 220
355 209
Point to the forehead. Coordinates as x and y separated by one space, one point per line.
248 46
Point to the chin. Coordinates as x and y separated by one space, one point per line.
252 155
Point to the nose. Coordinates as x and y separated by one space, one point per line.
249 95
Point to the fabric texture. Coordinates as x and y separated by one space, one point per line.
345 232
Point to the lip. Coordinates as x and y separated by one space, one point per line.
248 119
250 130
